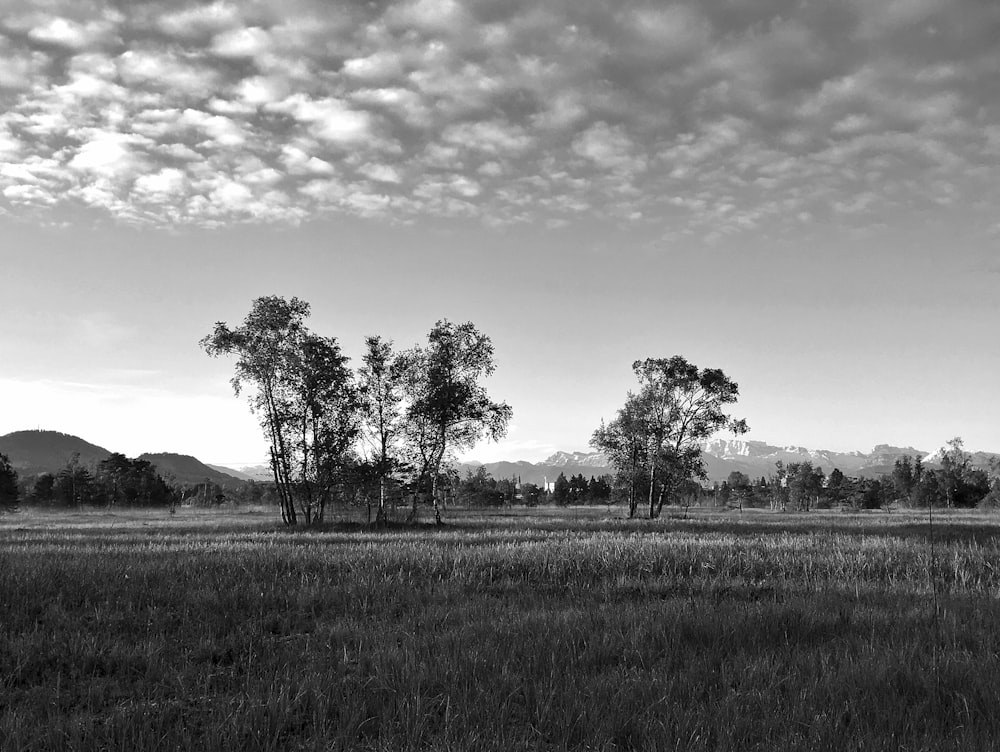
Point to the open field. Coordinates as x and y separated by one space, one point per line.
548 629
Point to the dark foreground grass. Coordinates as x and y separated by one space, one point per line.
760 633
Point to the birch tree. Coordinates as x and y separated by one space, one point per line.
300 388
448 409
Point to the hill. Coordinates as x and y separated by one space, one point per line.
34 452
186 470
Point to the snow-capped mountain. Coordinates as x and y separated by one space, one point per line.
721 456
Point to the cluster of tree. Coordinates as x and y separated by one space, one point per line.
654 443
578 490
801 486
390 428
956 483
116 481
480 488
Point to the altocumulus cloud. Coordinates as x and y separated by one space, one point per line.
697 118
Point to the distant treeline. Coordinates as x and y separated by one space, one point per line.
118 481
801 486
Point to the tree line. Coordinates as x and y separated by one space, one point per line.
956 482
114 481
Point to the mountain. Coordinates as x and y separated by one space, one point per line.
186 470
721 456
229 471
252 472
576 459
34 452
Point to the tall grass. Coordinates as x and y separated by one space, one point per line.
773 632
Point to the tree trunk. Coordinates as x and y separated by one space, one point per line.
652 489
380 515
434 496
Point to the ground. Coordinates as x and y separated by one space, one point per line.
538 629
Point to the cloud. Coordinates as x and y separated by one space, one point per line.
706 119
65 32
328 118
199 19
241 43
609 147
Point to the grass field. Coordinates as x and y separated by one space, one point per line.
555 629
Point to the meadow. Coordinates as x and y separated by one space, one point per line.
543 630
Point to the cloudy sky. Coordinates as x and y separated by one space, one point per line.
802 193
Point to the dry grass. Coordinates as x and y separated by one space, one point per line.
554 629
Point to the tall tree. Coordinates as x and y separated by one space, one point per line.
678 406
303 394
380 389
449 409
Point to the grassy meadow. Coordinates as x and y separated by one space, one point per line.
548 630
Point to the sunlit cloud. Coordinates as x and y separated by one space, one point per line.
705 119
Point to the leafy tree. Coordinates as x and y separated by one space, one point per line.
303 394
929 491
449 409
680 406
805 484
74 484
776 485
623 441
599 489
904 479
120 480
8 483
578 488
737 479
43 490
963 484
531 494
836 487
561 490
381 394
479 487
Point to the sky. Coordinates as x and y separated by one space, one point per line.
801 193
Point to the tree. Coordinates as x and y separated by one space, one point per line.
561 490
8 483
304 396
599 489
903 478
805 484
677 407
449 410
43 490
623 441
74 484
380 389
835 491
120 480
964 485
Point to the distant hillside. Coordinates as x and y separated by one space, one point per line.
230 471
186 470
34 452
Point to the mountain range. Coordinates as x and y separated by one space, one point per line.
33 452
